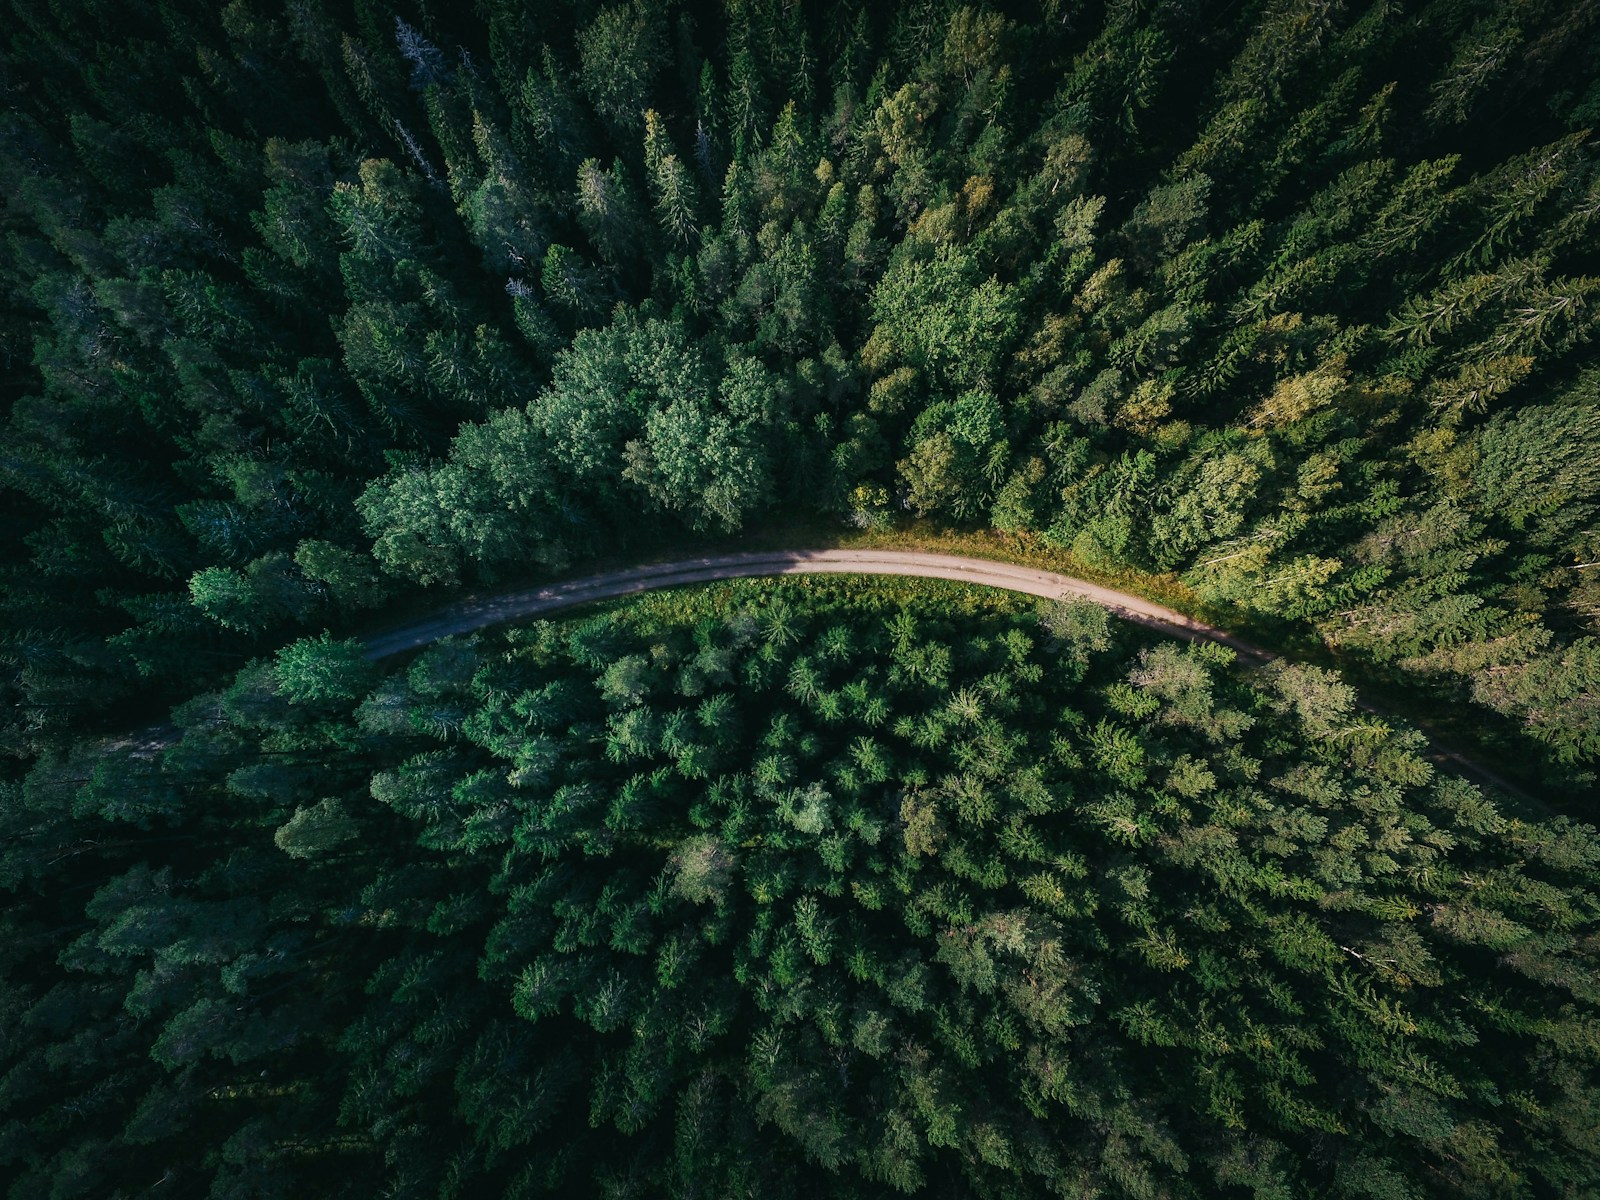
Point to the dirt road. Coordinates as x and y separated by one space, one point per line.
481 612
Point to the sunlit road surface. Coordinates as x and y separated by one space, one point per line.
481 612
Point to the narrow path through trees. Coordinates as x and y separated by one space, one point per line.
480 612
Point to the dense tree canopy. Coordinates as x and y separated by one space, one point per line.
798 892
312 307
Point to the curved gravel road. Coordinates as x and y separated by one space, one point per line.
480 612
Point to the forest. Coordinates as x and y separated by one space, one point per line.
796 892
321 312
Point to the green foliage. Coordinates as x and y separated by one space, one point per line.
316 831
310 307
942 318
853 882
315 670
